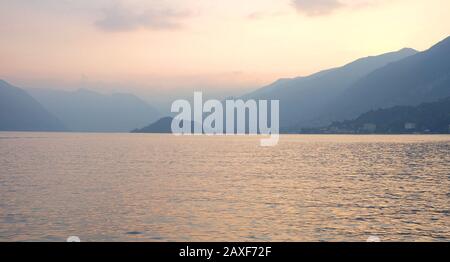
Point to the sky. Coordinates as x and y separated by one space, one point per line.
161 46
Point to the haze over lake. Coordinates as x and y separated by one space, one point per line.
152 187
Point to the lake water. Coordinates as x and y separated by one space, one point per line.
147 187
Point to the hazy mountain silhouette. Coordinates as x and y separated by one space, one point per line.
302 98
87 111
426 118
21 112
423 77
163 125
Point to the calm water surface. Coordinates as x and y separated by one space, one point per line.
143 187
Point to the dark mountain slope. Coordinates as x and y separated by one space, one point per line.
302 98
20 112
426 118
163 125
423 77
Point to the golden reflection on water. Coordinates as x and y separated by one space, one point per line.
121 187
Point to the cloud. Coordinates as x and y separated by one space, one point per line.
316 7
262 15
119 19
326 7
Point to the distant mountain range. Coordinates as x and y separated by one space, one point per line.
80 111
303 99
431 117
21 112
405 77
423 77
87 111
402 78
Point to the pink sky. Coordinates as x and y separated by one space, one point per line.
216 44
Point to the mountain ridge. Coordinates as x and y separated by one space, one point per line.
301 97
21 112
84 110
423 77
